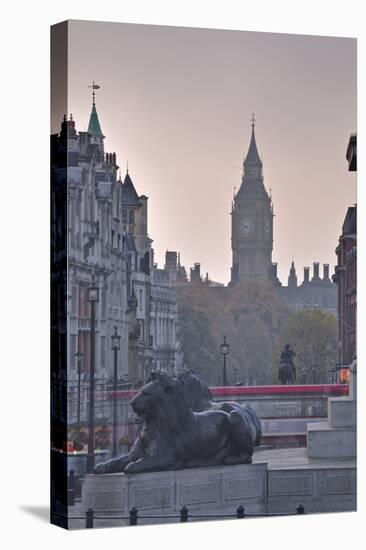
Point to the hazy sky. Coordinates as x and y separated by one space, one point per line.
177 102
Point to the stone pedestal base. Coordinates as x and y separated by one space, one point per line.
216 490
276 482
335 438
326 442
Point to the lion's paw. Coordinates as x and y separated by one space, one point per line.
100 468
133 468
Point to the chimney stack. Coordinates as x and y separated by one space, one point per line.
326 273
306 275
171 260
196 273
316 272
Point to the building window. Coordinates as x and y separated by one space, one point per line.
103 304
140 300
72 358
141 329
74 301
84 310
251 262
102 351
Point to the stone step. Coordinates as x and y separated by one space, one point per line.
342 412
327 442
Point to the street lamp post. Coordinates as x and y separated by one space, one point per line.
116 346
224 350
235 375
314 370
93 298
79 356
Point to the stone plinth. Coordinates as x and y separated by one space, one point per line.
216 490
276 482
327 442
342 412
321 485
335 438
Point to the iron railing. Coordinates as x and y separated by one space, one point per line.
184 515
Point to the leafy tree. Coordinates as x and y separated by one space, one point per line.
313 336
251 317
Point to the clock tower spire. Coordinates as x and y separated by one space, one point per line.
252 221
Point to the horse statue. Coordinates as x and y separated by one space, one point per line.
286 374
287 371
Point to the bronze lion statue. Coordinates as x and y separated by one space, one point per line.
171 436
199 398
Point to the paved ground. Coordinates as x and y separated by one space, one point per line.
288 459
76 511
287 426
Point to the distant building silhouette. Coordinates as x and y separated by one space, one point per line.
251 222
252 243
317 293
346 272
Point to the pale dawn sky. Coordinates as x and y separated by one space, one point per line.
177 103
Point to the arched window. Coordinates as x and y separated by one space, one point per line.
131 217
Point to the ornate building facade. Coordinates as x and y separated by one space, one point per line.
95 256
108 247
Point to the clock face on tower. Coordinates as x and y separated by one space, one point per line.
253 172
246 226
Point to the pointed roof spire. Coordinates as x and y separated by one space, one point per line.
253 155
292 279
129 194
94 126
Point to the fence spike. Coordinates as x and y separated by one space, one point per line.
133 516
184 514
240 512
89 522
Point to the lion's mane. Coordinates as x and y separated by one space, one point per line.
169 428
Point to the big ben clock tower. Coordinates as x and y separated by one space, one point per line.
252 222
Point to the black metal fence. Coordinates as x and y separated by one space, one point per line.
133 518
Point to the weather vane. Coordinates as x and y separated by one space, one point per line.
94 87
253 120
